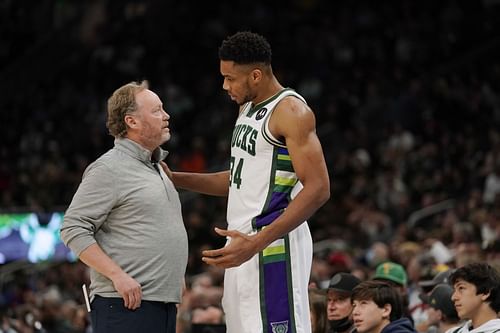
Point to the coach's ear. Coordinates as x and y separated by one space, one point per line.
130 121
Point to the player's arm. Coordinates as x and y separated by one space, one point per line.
216 183
295 122
207 183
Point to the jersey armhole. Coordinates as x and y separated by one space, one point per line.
266 132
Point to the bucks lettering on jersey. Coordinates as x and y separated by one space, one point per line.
262 181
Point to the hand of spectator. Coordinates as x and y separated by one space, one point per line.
210 315
129 289
240 248
430 241
166 169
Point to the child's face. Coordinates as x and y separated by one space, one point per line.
465 299
368 317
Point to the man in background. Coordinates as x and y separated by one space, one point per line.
340 304
441 313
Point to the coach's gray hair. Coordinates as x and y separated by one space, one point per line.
120 104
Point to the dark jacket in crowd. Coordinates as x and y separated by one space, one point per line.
402 325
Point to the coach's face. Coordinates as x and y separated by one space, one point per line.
151 120
240 81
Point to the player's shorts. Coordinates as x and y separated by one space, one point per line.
268 293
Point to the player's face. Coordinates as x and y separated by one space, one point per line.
152 120
368 317
237 81
466 300
339 305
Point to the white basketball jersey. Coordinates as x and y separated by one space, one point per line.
262 179
268 293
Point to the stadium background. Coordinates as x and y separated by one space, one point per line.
406 95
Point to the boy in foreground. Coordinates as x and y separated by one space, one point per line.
378 308
476 297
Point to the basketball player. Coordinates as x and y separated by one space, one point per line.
277 179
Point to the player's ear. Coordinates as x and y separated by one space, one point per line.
256 74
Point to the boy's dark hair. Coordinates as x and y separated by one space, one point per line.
484 277
246 48
381 293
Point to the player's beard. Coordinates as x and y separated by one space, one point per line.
247 98
249 95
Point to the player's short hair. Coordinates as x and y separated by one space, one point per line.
486 279
121 103
244 48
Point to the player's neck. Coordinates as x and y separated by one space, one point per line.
268 90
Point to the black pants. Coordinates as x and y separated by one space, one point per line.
110 316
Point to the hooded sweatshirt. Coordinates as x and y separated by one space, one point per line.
402 325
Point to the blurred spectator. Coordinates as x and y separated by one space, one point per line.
391 272
378 253
492 252
492 185
441 313
440 278
340 262
212 315
339 307
317 308
395 275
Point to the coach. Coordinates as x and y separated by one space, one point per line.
125 221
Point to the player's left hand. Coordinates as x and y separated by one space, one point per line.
166 169
241 248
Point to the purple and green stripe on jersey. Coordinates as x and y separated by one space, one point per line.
275 269
283 180
276 298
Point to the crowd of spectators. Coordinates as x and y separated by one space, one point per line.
406 96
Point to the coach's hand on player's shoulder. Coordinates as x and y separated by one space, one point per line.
129 289
241 248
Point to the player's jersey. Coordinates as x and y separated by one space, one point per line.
262 180
268 293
